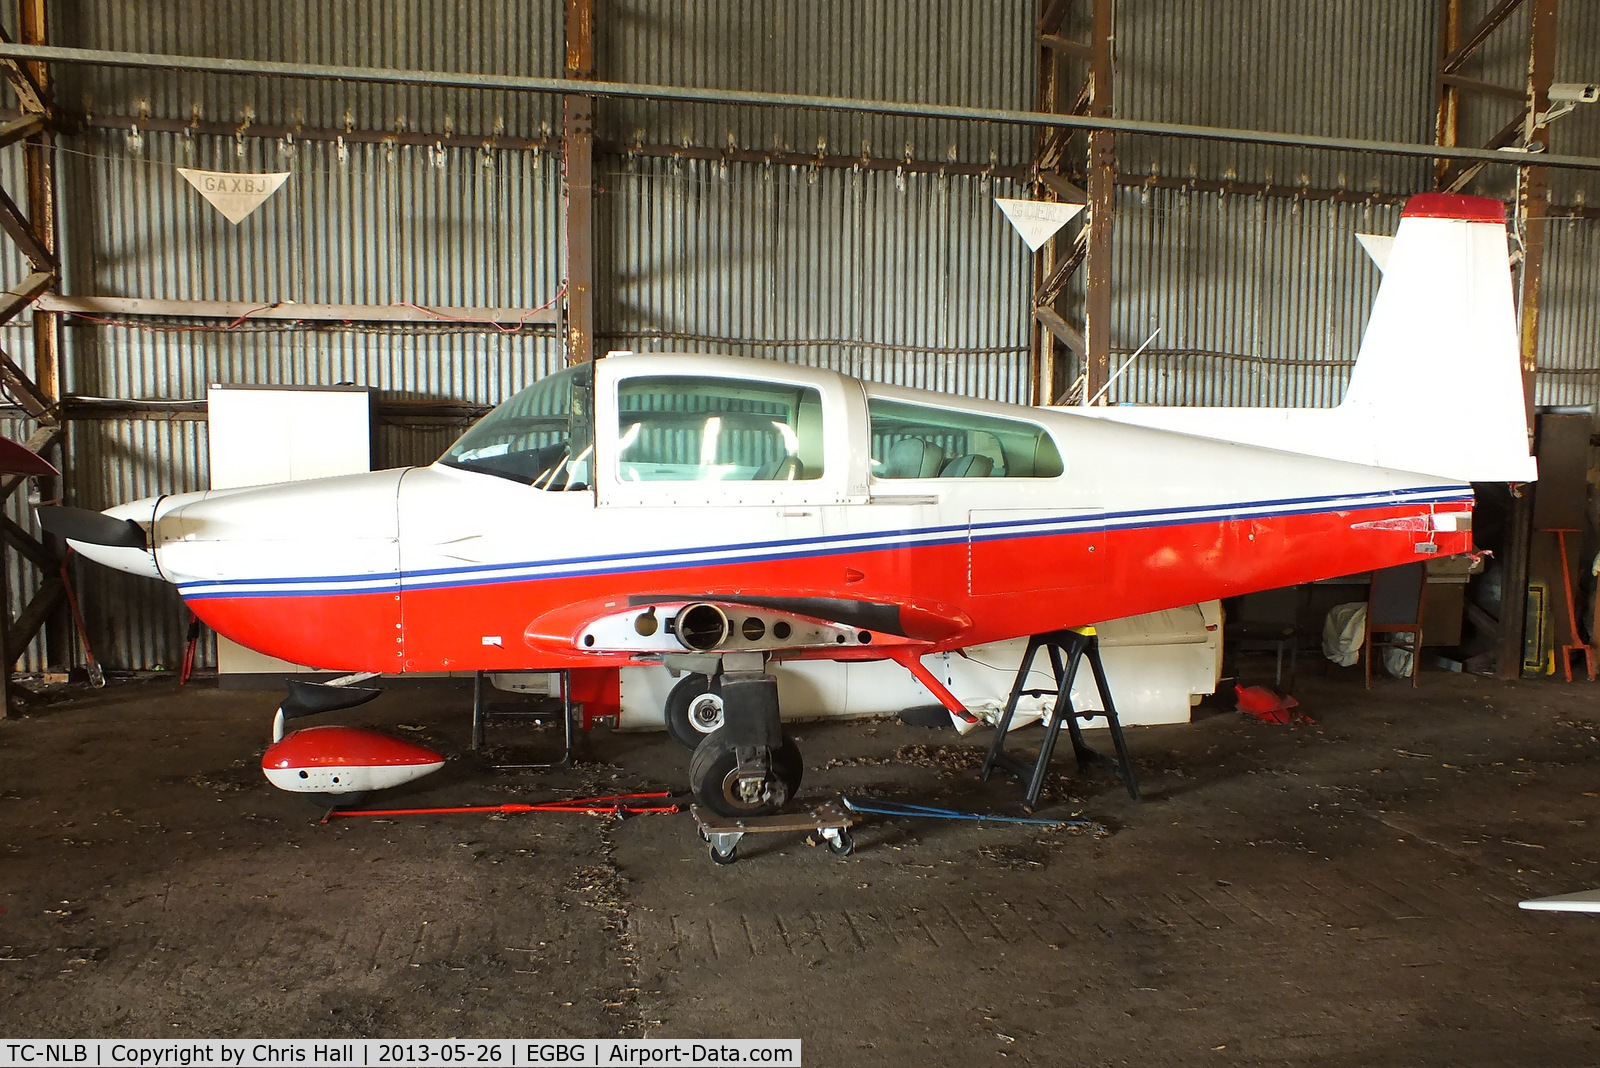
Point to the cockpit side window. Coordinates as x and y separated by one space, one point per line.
543 436
919 441
691 428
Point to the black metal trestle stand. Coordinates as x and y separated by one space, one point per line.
548 709
1068 649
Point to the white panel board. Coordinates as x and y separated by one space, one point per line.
264 434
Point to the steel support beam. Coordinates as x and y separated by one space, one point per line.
751 98
1102 171
1532 201
577 156
1447 94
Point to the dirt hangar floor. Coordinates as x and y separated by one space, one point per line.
1343 893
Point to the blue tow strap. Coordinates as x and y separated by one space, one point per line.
900 808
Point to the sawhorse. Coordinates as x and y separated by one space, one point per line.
1067 649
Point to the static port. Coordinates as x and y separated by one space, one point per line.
754 629
781 630
588 640
702 627
864 637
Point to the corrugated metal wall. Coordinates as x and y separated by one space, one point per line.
977 53
905 277
1259 300
1337 68
917 280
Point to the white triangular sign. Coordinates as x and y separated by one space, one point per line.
1037 220
1377 246
235 195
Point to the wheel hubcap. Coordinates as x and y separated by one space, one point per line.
734 795
705 713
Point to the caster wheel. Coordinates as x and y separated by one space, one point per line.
729 857
843 845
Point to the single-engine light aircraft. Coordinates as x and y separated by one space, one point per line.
719 513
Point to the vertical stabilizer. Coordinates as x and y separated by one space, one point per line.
1436 381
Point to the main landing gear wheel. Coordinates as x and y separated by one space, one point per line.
714 779
694 710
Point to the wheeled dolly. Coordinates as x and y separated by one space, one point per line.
829 820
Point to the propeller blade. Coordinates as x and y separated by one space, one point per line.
310 698
91 527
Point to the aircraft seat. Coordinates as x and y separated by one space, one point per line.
913 458
972 465
783 469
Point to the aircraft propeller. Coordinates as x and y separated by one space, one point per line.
91 527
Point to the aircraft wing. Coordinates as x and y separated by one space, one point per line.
1583 901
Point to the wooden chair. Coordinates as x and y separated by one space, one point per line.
1394 606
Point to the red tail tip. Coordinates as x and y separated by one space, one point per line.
1454 206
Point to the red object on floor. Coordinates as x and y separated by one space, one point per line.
1269 705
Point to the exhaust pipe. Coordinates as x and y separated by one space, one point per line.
702 627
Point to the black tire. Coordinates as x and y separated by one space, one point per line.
934 717
730 857
688 718
711 771
843 845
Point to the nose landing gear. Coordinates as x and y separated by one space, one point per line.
739 780
747 766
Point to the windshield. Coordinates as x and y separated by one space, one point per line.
542 436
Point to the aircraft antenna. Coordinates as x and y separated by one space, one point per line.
1117 373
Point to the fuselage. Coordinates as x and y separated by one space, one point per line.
794 485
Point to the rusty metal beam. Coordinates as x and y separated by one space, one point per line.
1063 271
481 82
26 544
24 391
577 155
1102 170
24 126
1447 120
22 82
243 310
49 597
1532 200
1064 332
1051 16
1477 35
14 300
20 230
1474 85
1455 180
1076 49
1063 189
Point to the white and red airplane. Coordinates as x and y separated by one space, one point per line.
721 512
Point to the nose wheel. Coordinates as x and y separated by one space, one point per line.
741 781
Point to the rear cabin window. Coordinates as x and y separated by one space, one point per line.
917 441
683 428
